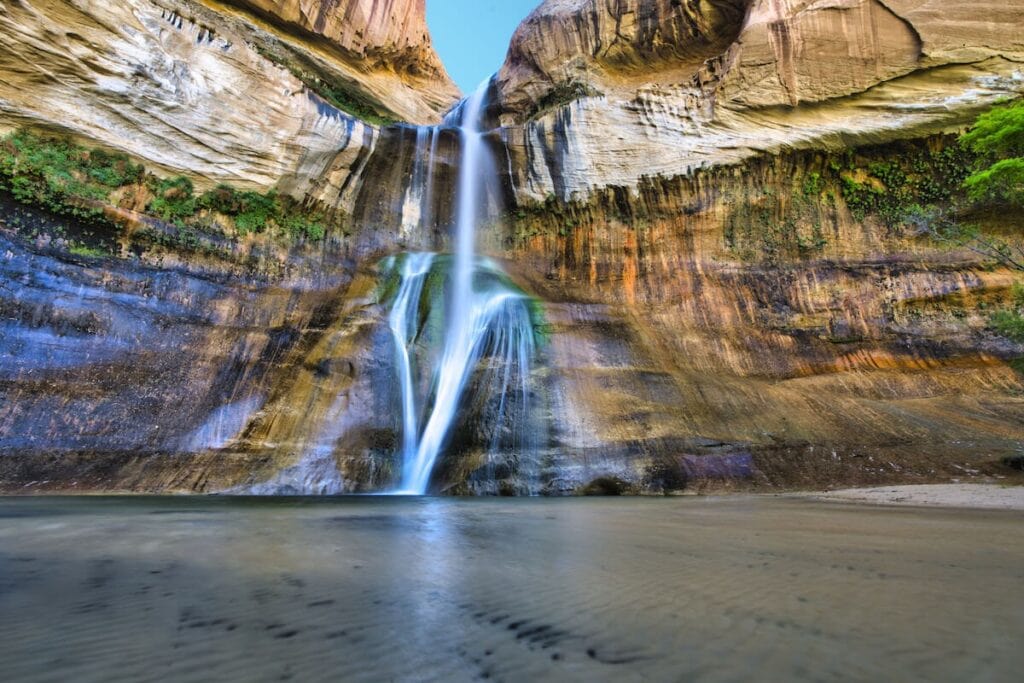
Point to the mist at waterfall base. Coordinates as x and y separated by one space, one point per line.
484 317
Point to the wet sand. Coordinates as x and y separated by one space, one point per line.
978 496
371 589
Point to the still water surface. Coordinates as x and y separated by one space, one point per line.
716 589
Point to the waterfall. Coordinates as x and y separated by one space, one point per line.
403 323
486 318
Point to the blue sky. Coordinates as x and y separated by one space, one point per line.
472 35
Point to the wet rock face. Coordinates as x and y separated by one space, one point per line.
683 356
115 375
676 357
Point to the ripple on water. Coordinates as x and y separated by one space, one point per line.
365 590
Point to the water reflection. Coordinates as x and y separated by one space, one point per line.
376 589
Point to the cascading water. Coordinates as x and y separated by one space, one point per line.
486 317
403 323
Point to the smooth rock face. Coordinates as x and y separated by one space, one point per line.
388 34
744 78
185 86
794 51
387 43
614 46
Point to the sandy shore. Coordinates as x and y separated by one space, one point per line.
981 496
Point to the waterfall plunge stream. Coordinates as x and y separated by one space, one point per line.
486 319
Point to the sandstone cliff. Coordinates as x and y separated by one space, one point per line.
575 46
728 80
220 92
386 45
722 205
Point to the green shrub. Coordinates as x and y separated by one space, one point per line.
998 136
222 199
113 170
1002 181
998 132
255 211
174 200
64 178
813 185
902 190
298 225
48 172
1009 324
87 251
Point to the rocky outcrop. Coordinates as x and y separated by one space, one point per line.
391 35
387 45
218 94
792 74
567 47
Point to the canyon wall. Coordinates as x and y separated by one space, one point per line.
744 327
258 95
724 208
745 77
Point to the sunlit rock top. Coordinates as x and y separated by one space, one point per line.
599 94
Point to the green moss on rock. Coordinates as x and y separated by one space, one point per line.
57 175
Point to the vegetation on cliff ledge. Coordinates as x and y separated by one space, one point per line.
102 188
340 95
559 96
1009 322
998 138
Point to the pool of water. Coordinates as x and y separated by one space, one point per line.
354 589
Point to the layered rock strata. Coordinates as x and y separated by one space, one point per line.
745 78
220 94
744 326
720 311
385 47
